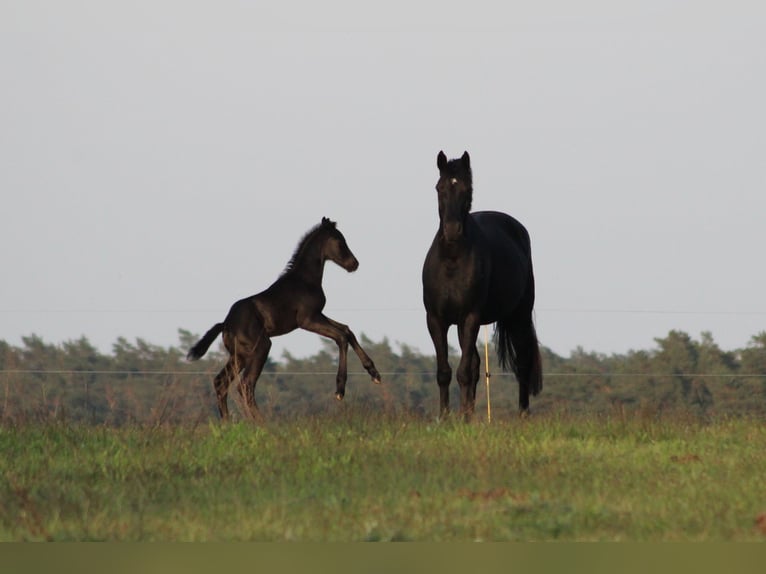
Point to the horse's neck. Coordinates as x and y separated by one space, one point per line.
452 251
310 266
462 248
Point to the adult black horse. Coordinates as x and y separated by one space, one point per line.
479 271
294 300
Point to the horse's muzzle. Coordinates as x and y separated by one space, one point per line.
351 265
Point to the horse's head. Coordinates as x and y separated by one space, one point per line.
455 189
335 247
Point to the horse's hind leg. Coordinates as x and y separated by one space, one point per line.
528 364
252 371
221 384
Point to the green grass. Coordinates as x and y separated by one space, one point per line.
356 477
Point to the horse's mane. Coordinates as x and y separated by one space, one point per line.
307 238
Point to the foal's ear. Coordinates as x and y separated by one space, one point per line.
466 159
441 161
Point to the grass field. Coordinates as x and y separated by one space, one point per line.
369 477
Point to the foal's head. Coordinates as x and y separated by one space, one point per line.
335 248
455 189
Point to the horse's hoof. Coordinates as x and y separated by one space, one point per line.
376 380
338 396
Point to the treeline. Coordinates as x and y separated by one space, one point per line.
143 383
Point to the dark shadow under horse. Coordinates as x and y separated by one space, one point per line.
479 271
295 300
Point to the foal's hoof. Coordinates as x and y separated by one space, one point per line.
339 396
376 380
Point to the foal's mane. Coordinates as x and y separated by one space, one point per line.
306 240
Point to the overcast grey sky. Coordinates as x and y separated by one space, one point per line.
161 159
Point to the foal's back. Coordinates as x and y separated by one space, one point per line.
278 309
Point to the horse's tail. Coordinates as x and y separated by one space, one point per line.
201 347
518 350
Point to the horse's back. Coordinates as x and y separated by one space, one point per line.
508 242
502 230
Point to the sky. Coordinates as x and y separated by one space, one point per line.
161 159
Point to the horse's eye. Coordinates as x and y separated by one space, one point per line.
453 181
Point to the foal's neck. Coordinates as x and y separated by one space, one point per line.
309 265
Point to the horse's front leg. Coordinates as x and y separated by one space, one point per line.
323 326
367 363
468 369
438 331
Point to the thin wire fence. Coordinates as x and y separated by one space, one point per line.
197 373
118 397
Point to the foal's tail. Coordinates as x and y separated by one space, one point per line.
201 347
518 350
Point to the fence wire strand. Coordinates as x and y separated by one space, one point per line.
164 373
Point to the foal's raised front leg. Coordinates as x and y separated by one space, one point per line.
342 336
321 325
367 363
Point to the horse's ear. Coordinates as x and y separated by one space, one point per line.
441 161
466 159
